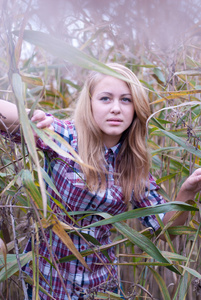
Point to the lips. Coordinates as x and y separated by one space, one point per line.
114 121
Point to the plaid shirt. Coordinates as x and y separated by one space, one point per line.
76 197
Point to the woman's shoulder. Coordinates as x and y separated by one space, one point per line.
65 127
152 185
64 122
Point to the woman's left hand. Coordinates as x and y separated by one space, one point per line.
189 189
192 185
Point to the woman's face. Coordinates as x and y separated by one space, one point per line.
112 108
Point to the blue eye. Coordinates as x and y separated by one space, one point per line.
105 99
126 100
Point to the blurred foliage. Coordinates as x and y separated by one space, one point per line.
46 49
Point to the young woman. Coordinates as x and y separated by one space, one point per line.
108 131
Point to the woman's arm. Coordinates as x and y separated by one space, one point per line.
188 190
9 120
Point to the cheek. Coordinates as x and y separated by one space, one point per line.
95 112
97 118
130 114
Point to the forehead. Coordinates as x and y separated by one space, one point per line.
111 84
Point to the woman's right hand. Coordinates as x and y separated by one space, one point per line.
9 120
42 120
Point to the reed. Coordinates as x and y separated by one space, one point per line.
41 66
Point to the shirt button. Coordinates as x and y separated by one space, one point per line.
80 268
93 205
82 247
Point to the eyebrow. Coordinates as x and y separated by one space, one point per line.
128 94
110 94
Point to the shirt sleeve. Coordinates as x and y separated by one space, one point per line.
151 198
13 137
63 128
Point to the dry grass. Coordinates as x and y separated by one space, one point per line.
161 44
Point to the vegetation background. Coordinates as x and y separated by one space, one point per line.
46 50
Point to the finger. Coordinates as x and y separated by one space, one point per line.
193 183
198 178
46 123
38 115
51 127
197 172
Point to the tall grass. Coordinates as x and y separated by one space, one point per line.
48 74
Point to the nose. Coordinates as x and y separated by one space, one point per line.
115 109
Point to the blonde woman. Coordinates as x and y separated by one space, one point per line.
108 131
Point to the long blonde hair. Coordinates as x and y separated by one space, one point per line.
132 166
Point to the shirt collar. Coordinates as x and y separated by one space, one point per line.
114 150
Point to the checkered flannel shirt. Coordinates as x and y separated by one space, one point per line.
74 195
